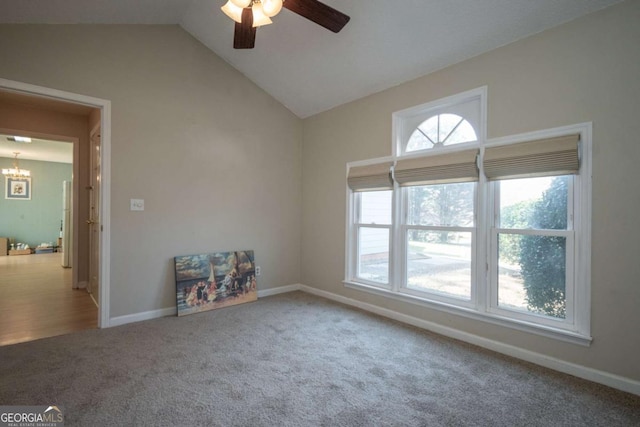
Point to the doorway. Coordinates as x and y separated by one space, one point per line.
37 276
98 281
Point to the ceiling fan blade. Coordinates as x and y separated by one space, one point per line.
244 36
319 13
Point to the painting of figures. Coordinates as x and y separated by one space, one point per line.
220 279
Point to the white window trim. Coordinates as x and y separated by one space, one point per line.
580 332
434 107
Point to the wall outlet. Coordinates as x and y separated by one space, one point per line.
258 270
137 205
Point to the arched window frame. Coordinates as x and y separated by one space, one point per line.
470 105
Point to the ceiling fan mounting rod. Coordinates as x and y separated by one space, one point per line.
251 14
260 1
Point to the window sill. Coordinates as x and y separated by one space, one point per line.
545 331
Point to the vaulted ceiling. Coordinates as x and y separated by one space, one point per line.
310 69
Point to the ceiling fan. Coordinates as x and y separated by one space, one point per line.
251 14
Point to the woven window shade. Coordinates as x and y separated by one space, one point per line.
440 169
370 177
543 157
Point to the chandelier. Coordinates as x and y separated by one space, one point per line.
15 172
262 10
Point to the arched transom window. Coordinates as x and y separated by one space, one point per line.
441 130
455 120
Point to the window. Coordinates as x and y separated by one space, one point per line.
372 189
492 230
373 227
440 130
448 122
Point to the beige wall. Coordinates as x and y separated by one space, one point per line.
586 70
215 158
68 127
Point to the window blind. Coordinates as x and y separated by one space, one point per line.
460 166
370 177
551 156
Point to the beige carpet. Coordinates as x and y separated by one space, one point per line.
294 360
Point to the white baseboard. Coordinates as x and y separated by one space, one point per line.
279 290
81 285
171 311
145 315
601 377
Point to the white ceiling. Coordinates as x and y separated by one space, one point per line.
38 149
310 69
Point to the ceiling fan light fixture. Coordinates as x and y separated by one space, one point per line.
259 18
241 3
258 12
232 11
271 7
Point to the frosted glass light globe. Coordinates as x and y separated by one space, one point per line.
259 18
232 11
271 7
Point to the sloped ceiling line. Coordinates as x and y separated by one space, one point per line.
310 69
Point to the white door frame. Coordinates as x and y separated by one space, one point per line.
105 193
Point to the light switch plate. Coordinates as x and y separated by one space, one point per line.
137 204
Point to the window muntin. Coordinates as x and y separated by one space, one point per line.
441 130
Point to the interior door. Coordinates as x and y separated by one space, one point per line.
94 217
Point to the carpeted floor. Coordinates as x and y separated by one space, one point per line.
294 360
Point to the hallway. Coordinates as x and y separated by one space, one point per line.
36 299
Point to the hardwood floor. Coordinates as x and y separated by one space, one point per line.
37 301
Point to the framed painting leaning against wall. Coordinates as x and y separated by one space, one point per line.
208 281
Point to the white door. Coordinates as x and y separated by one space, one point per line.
67 224
94 217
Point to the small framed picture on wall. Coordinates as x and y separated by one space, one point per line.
18 188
